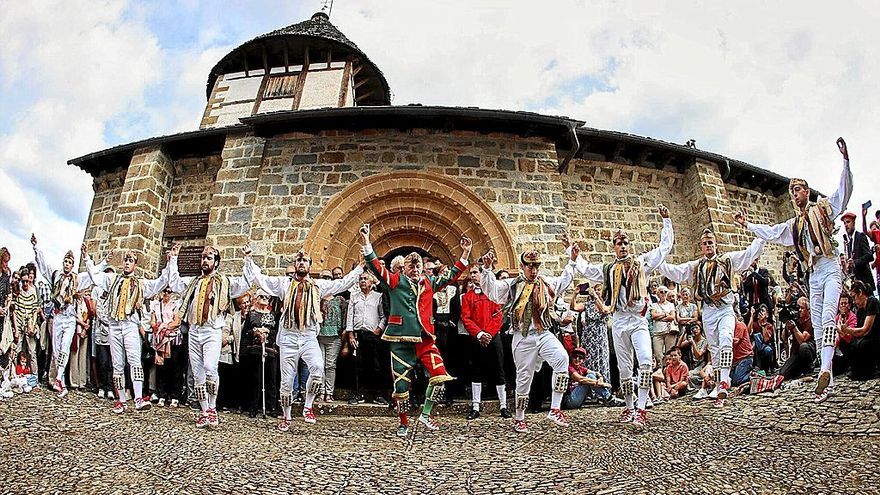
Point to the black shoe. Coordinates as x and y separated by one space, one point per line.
252 414
359 399
472 415
380 401
505 413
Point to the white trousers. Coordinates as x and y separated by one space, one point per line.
125 344
204 355
528 354
293 346
630 335
826 281
63 328
718 324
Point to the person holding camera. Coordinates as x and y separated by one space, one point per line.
798 333
762 339
860 342
626 296
811 232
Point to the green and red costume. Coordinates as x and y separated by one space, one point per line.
410 327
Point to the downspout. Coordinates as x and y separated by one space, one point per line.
576 145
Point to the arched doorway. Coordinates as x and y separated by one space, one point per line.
422 211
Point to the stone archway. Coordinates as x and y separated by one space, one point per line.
407 208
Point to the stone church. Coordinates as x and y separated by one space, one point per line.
299 145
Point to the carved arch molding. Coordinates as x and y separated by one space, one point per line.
407 208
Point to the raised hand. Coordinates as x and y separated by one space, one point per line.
841 145
365 233
466 245
664 211
175 248
109 256
565 238
247 251
83 251
34 240
489 259
740 218
575 251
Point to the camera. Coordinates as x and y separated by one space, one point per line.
788 312
584 288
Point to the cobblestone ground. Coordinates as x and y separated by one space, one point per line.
758 444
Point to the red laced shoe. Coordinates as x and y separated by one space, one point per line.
309 415
723 389
203 421
828 392
213 419
558 417
719 402
520 426
822 383
119 407
640 418
627 415
141 404
283 425
429 422
60 389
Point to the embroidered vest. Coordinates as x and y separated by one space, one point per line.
310 306
616 277
815 226
711 279
207 304
521 305
126 296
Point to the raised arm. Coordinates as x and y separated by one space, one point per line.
386 278
40 259
680 274
175 281
328 287
740 260
460 266
777 234
153 286
652 259
275 286
578 265
496 290
840 198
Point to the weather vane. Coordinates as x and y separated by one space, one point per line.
327 6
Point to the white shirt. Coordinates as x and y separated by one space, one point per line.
365 312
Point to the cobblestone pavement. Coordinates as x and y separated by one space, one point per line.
757 444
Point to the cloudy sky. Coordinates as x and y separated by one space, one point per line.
771 83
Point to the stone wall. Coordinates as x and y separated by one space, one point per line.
761 208
102 214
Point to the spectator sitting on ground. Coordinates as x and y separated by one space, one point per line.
765 347
675 374
741 369
584 383
23 371
699 349
845 318
802 347
658 391
861 351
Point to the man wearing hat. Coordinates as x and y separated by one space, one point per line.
127 292
811 232
409 329
625 293
64 283
857 250
528 301
711 276
299 325
206 302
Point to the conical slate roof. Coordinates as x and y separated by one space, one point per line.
287 46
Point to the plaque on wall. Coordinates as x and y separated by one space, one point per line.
189 260
192 225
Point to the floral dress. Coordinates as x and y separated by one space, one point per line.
593 337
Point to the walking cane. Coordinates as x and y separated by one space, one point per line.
263 382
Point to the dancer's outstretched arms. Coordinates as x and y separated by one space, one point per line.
652 259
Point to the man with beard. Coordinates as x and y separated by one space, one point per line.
625 293
64 283
298 327
712 279
409 329
127 292
811 232
528 301
206 302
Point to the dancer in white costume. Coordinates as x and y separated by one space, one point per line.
625 292
712 277
298 329
127 294
811 232
64 284
528 301
207 300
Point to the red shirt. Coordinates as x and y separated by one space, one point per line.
676 373
22 370
874 235
851 322
742 342
480 314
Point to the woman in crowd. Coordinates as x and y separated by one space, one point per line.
258 335
592 329
171 353
687 316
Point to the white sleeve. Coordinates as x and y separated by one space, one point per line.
275 286
97 276
777 234
496 290
333 287
238 286
154 286
175 281
840 198
740 260
44 268
680 274
590 271
652 259
561 282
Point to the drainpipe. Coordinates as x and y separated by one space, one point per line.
576 145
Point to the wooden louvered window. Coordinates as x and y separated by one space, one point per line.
281 86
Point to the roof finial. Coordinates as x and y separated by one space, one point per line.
327 7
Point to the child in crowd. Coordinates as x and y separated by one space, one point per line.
658 391
10 380
675 374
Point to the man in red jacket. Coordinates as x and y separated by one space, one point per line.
482 319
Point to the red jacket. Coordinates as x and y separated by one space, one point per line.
480 314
